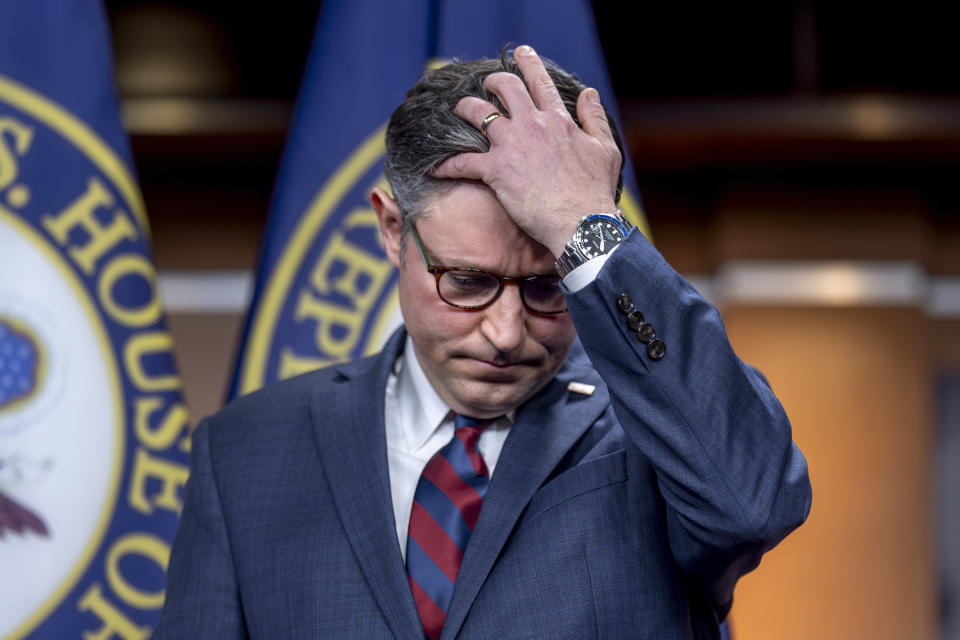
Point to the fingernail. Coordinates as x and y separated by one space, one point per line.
524 50
593 96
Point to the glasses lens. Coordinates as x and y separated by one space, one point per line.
467 288
543 294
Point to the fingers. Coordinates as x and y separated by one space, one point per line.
511 91
521 98
535 92
592 116
539 83
464 166
478 113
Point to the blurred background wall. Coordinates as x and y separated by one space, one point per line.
797 161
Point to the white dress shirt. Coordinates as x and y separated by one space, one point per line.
419 423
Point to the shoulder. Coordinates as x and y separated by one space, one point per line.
282 409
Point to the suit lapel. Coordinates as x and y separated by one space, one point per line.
348 419
546 428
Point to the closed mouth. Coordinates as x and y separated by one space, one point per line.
505 364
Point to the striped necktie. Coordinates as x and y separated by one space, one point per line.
445 509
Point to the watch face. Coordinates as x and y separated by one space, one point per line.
597 235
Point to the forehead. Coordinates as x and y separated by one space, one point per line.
463 203
467 226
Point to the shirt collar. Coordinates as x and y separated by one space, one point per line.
431 410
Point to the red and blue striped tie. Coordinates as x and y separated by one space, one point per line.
445 509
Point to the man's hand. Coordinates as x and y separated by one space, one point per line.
546 171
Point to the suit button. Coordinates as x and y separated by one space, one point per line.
656 349
646 333
634 320
625 303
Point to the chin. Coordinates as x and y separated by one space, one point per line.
490 400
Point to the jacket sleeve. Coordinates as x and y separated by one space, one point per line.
202 598
733 482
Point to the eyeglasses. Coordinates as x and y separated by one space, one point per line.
475 289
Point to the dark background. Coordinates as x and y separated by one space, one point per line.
804 94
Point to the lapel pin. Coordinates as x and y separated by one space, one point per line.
582 388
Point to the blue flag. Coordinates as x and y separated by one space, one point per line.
93 434
326 292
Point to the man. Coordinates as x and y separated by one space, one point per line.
620 502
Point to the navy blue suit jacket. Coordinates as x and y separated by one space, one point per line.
628 513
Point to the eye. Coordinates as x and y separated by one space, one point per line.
543 288
468 279
468 287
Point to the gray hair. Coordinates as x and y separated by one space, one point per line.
424 130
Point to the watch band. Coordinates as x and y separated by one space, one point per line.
573 253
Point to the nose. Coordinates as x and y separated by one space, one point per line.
504 322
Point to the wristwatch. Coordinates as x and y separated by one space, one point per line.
596 235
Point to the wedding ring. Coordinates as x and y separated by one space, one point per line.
486 121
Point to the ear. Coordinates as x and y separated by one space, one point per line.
390 219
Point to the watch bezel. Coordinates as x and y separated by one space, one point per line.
573 255
584 228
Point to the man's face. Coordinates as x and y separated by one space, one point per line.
482 363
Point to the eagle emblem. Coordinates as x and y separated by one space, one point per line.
18 518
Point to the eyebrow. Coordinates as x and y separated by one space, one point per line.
441 262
